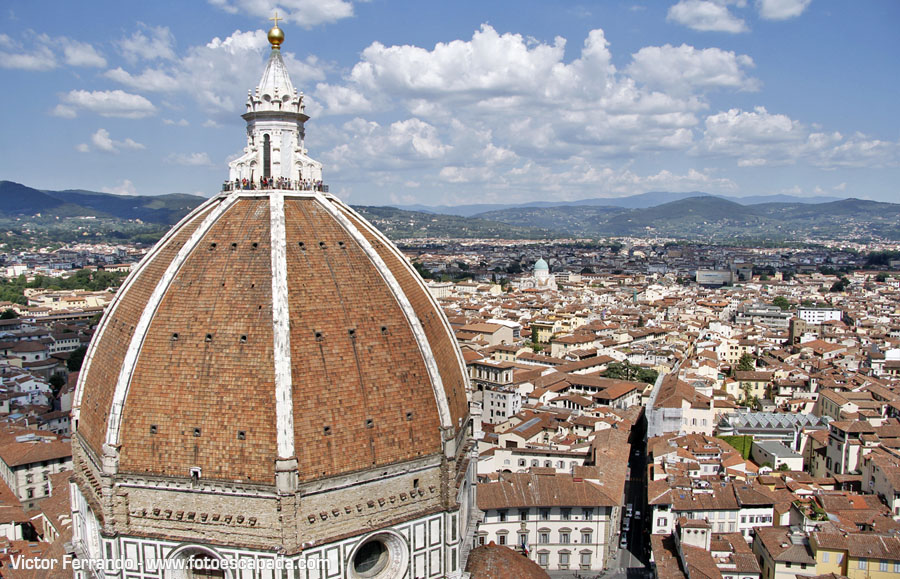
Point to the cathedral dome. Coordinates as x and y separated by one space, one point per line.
267 326
274 380
541 265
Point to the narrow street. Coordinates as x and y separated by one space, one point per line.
632 562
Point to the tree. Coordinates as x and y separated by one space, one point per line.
630 372
9 314
56 383
840 285
881 277
423 271
781 302
76 358
746 363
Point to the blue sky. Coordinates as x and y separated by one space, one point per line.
463 102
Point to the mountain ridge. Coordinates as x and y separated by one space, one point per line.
700 216
638 201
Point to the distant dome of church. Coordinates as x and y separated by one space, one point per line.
541 265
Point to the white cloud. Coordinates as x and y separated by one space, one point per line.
64 112
14 56
149 43
490 65
781 9
217 75
342 100
36 53
190 159
685 69
114 103
706 16
305 13
126 187
78 53
180 122
102 141
758 138
151 79
211 124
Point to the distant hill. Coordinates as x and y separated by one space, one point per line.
400 224
640 201
17 200
716 218
698 217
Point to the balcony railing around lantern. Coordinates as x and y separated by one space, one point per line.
275 183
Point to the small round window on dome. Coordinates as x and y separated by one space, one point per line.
371 559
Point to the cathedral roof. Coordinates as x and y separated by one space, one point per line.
540 264
270 325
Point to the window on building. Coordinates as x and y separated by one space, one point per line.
523 515
564 538
586 538
565 514
545 514
826 556
523 539
661 522
588 514
501 539
564 560
544 559
543 537
481 539
896 566
586 560
522 462
501 515
862 563
883 566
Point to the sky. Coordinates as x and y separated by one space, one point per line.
438 102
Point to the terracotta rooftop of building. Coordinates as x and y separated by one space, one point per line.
498 562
